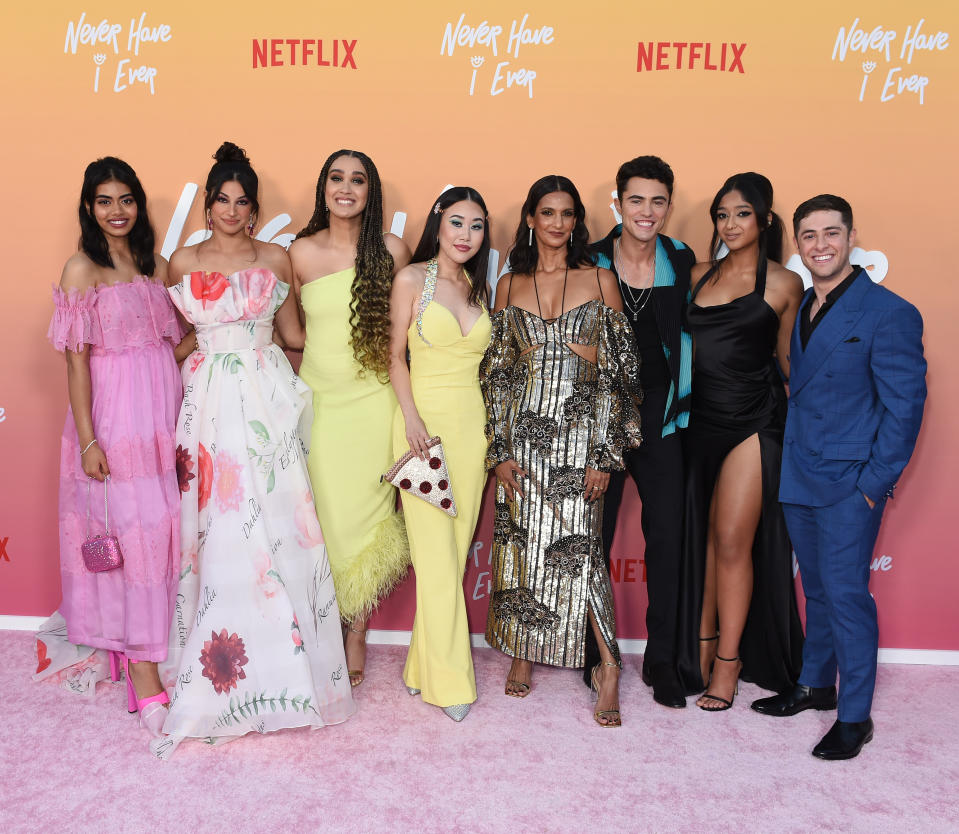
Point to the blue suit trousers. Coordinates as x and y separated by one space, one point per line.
834 547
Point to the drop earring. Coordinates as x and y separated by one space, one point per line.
209 221
531 236
249 228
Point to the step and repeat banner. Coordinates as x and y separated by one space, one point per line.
858 98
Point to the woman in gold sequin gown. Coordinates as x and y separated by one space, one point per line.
561 385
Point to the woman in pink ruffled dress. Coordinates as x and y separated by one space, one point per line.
255 641
114 321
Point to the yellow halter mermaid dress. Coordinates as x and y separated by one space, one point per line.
350 449
444 372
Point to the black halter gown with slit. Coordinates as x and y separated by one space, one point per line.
738 391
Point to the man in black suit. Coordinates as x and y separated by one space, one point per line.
653 272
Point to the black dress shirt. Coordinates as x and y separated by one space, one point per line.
807 325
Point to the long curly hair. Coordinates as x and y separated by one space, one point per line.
92 240
370 294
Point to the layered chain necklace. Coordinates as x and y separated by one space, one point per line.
635 300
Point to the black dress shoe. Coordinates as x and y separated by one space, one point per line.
797 699
665 683
844 740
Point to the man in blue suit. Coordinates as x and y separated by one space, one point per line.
857 388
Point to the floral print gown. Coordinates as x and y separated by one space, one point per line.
255 640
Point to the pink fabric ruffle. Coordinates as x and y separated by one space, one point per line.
100 316
74 323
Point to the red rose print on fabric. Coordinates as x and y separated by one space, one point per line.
207 287
223 658
184 468
42 660
205 471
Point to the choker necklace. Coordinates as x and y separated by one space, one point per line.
634 303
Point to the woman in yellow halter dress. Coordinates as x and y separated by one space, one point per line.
343 270
438 314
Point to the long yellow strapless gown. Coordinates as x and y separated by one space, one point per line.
350 449
446 390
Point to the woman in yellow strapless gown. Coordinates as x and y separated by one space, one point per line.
438 313
343 270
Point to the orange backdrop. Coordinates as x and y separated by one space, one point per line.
492 95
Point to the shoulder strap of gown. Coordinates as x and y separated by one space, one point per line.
761 276
429 287
600 285
703 280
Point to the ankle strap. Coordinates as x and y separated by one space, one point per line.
728 659
160 697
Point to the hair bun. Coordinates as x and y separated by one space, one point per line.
230 152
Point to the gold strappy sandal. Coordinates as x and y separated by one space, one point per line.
604 717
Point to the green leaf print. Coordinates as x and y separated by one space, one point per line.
252 703
271 481
260 431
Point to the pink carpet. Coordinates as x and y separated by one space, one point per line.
71 764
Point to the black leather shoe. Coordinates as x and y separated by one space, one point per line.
844 740
665 683
797 699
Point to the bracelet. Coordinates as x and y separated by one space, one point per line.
87 447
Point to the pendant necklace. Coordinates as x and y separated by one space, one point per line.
635 303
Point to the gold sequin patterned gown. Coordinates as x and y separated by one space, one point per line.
555 413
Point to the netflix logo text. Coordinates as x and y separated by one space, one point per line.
304 52
689 55
630 569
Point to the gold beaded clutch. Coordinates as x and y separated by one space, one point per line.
427 479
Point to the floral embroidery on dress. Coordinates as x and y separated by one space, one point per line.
223 658
506 529
579 404
538 431
521 605
565 482
568 554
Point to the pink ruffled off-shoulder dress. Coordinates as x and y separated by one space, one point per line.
131 329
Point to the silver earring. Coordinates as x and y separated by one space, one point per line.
531 236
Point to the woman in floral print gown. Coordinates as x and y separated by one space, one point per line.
255 640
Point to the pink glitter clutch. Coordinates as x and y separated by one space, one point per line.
427 479
101 552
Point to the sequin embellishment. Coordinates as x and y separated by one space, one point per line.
521 605
429 287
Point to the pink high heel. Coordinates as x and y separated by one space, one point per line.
115 666
151 709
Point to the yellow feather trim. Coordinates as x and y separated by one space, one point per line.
369 575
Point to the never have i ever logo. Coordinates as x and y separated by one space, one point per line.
892 52
114 48
487 41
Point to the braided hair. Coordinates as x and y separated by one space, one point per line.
370 294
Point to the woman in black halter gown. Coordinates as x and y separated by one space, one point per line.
737 556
